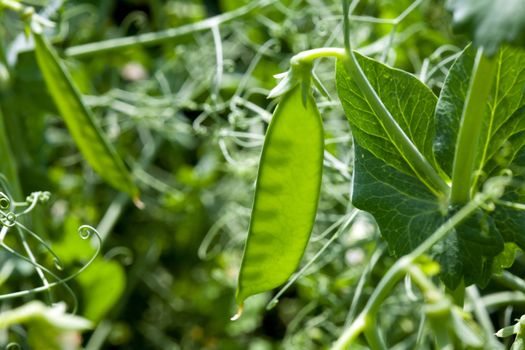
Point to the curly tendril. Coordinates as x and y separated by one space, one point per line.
43 269
57 261
10 213
13 346
85 232
5 201
8 219
124 254
35 198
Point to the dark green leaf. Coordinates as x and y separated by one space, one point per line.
409 101
406 211
503 140
511 221
449 109
503 116
469 251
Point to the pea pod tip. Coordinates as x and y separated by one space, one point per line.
138 203
238 314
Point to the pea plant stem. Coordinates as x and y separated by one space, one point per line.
373 334
399 269
308 56
510 281
160 37
422 168
482 314
470 128
406 147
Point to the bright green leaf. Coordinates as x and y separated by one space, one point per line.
506 258
103 284
72 247
449 109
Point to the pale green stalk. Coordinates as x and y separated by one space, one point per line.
422 168
400 268
167 35
470 128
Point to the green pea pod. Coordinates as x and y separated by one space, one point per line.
286 196
89 138
8 166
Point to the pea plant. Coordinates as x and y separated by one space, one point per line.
441 175
170 99
49 324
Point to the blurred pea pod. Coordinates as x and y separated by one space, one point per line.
286 196
91 141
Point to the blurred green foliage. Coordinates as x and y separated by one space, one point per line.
188 116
